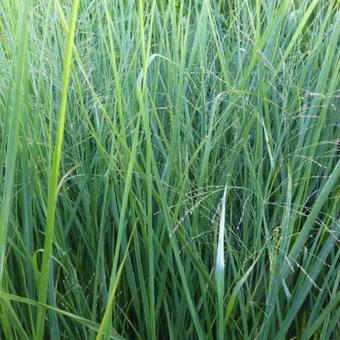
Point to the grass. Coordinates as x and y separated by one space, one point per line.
170 169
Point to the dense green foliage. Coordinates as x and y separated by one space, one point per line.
170 169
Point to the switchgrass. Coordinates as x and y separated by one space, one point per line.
170 169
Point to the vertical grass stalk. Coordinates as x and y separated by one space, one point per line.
53 178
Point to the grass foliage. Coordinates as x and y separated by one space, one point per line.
170 169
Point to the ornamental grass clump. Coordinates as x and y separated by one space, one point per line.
170 169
